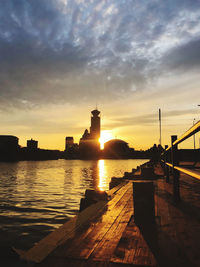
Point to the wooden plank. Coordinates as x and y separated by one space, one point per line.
133 249
61 262
107 245
85 230
143 256
60 235
178 237
114 190
126 248
85 245
185 218
105 237
166 234
110 238
67 231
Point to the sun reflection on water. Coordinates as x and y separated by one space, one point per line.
102 175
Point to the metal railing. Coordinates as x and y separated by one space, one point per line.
170 159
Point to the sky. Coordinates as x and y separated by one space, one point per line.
61 58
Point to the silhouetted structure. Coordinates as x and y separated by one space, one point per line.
39 154
89 145
32 145
88 148
69 142
155 152
71 149
32 152
116 148
9 148
95 128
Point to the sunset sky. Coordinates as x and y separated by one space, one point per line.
59 58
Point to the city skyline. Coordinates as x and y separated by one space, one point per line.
59 58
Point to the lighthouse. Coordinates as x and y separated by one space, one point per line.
89 144
95 125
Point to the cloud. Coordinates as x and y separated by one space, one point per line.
146 119
184 57
63 51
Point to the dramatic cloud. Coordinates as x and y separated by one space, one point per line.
184 57
54 51
146 119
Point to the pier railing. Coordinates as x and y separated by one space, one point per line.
170 158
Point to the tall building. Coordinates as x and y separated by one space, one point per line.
95 125
71 149
89 144
69 142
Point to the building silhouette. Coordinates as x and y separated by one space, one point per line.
95 128
32 145
89 145
32 152
9 148
116 148
71 149
69 142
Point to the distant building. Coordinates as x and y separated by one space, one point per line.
89 145
116 148
32 145
9 142
9 147
69 142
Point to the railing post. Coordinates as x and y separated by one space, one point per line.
166 166
169 157
176 174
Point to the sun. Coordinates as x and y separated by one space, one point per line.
105 136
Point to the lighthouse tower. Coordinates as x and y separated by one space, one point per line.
95 125
89 145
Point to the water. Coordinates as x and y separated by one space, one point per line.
38 196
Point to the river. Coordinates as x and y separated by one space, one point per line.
38 196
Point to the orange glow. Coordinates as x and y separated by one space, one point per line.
102 175
105 136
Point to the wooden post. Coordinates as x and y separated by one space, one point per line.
143 202
166 166
176 174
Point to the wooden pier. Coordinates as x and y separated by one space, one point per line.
105 233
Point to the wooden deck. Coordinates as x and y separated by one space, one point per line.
105 234
179 230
